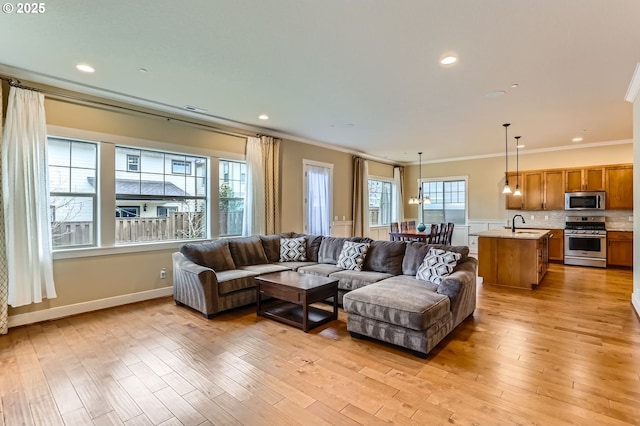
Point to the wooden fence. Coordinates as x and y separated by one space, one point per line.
178 226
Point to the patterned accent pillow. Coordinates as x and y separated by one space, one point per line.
293 249
437 264
352 255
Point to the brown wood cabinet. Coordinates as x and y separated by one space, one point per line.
541 190
511 262
620 248
533 190
556 245
544 189
585 179
553 190
619 186
514 202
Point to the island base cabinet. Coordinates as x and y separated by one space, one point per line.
512 262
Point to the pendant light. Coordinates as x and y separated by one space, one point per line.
420 199
507 188
517 192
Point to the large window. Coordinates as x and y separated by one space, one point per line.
72 177
172 197
380 202
448 201
233 187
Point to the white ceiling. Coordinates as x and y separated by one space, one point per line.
363 75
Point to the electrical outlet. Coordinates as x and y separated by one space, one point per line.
532 217
546 217
630 218
163 273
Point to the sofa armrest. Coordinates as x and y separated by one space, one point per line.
194 285
463 278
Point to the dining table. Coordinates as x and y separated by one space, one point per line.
411 234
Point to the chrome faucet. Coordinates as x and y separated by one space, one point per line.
513 222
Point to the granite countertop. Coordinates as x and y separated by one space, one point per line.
520 234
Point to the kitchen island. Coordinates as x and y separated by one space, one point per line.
513 259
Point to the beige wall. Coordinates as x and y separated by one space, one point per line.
292 156
93 278
486 176
380 169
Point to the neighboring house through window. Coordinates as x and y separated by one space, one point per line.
180 167
163 183
133 163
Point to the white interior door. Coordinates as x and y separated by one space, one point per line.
318 193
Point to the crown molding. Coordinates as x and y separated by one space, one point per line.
526 152
634 86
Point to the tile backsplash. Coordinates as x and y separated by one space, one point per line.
616 220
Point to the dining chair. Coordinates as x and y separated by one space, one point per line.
411 225
434 234
394 228
404 226
449 233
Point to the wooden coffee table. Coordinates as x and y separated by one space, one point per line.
294 293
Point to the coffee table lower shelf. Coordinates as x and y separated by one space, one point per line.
292 314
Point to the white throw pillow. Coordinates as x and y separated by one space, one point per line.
437 264
293 249
352 255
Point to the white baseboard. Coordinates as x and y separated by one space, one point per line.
635 301
80 308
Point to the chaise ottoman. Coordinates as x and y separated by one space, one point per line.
402 311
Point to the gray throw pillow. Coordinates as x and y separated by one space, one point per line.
352 255
437 264
293 249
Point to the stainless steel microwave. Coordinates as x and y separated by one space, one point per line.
584 200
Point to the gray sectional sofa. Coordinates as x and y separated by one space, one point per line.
384 300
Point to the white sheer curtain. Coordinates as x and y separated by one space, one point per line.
319 194
25 192
254 214
398 180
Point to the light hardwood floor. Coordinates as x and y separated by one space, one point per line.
565 353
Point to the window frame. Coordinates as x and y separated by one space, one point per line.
130 157
450 179
185 164
225 179
392 201
106 203
166 178
72 194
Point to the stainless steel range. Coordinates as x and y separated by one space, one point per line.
585 241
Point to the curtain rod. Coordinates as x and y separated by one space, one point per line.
13 82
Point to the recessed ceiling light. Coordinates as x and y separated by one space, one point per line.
85 68
142 70
448 60
514 85
263 117
520 146
577 139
